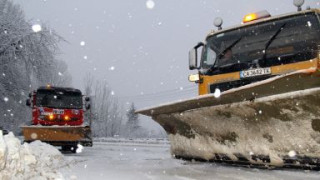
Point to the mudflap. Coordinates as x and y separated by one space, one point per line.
274 123
59 135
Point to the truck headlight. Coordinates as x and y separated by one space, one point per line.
66 118
51 117
194 78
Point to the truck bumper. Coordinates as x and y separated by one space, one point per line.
59 135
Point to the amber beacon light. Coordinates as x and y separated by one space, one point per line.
255 16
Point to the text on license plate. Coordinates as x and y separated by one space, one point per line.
255 72
58 111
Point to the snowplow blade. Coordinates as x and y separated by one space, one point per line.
275 122
59 135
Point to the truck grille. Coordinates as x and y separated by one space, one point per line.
234 84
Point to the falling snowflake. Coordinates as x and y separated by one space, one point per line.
112 93
79 148
292 153
129 16
111 68
36 28
85 57
159 23
181 88
309 24
60 74
82 43
150 4
217 93
34 135
6 99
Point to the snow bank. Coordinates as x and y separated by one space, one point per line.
35 161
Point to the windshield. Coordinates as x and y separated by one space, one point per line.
277 42
59 99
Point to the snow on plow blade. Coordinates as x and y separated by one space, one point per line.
58 135
273 122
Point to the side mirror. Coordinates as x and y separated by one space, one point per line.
28 102
88 106
87 99
193 56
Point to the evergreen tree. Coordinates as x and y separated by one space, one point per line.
133 121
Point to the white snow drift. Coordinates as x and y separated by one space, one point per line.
36 160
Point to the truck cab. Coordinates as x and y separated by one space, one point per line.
57 106
263 46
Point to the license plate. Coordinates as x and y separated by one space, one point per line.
255 72
58 111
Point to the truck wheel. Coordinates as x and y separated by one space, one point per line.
73 149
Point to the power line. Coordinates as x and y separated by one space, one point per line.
168 93
161 97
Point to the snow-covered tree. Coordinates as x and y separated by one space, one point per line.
27 60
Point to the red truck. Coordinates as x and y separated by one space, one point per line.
58 117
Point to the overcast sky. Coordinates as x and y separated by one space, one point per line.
140 47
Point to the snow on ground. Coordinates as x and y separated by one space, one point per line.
133 141
138 161
120 159
35 161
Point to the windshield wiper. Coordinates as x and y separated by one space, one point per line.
222 53
270 41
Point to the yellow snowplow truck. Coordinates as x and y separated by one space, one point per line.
259 94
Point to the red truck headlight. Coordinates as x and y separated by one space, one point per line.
66 118
51 117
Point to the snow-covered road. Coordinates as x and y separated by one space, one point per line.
114 161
